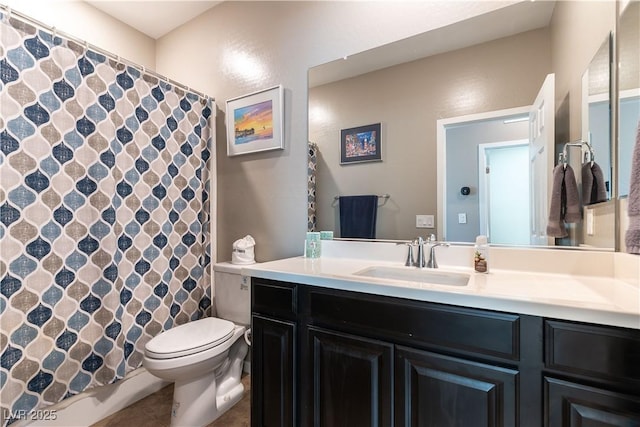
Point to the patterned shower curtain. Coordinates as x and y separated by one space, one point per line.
312 164
104 215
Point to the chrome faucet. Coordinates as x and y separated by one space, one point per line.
420 262
432 254
410 262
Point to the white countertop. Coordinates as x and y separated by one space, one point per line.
593 299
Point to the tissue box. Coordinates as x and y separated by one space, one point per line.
243 251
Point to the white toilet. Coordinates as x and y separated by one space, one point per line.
205 357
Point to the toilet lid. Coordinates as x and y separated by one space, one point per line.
192 337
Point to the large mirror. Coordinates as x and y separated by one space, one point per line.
628 98
629 89
474 76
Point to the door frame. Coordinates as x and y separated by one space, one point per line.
441 154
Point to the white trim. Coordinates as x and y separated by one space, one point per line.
441 154
629 93
213 194
91 406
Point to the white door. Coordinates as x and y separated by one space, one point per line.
541 157
503 192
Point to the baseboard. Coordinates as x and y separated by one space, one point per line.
96 404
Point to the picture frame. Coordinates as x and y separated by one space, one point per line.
255 122
361 144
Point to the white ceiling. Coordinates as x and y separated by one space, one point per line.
152 17
513 19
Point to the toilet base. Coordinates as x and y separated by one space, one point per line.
200 401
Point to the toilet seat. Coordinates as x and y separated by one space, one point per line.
190 338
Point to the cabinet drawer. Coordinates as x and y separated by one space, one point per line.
273 298
423 324
595 351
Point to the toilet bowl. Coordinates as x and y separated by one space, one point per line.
205 357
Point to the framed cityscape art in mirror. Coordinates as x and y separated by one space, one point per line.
360 144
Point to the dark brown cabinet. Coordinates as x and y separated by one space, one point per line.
437 390
602 367
351 380
274 361
577 405
327 357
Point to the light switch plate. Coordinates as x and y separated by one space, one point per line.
424 221
462 218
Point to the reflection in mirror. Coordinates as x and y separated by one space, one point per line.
629 90
501 72
596 119
489 153
592 157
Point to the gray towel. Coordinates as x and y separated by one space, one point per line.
555 226
632 237
565 202
593 185
572 207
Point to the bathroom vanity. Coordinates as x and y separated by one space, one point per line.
332 348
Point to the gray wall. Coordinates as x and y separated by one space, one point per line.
265 194
578 28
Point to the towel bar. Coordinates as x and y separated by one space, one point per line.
384 196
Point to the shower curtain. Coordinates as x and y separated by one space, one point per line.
104 214
312 164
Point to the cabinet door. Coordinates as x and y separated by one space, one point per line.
273 365
437 390
576 405
351 380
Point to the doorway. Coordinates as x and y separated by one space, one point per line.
459 213
459 139
503 191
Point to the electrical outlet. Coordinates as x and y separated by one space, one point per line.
424 221
462 218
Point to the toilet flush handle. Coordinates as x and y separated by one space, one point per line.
247 336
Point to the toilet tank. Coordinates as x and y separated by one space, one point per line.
232 293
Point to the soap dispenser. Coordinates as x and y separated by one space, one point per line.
481 255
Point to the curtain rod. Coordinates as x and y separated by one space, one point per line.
10 13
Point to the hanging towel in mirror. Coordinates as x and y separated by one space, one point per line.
632 236
593 186
572 207
565 202
358 216
555 225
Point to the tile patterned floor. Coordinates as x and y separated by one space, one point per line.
154 411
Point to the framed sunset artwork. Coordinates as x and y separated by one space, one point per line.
255 122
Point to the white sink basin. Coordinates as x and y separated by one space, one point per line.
410 274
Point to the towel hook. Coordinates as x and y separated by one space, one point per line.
564 156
